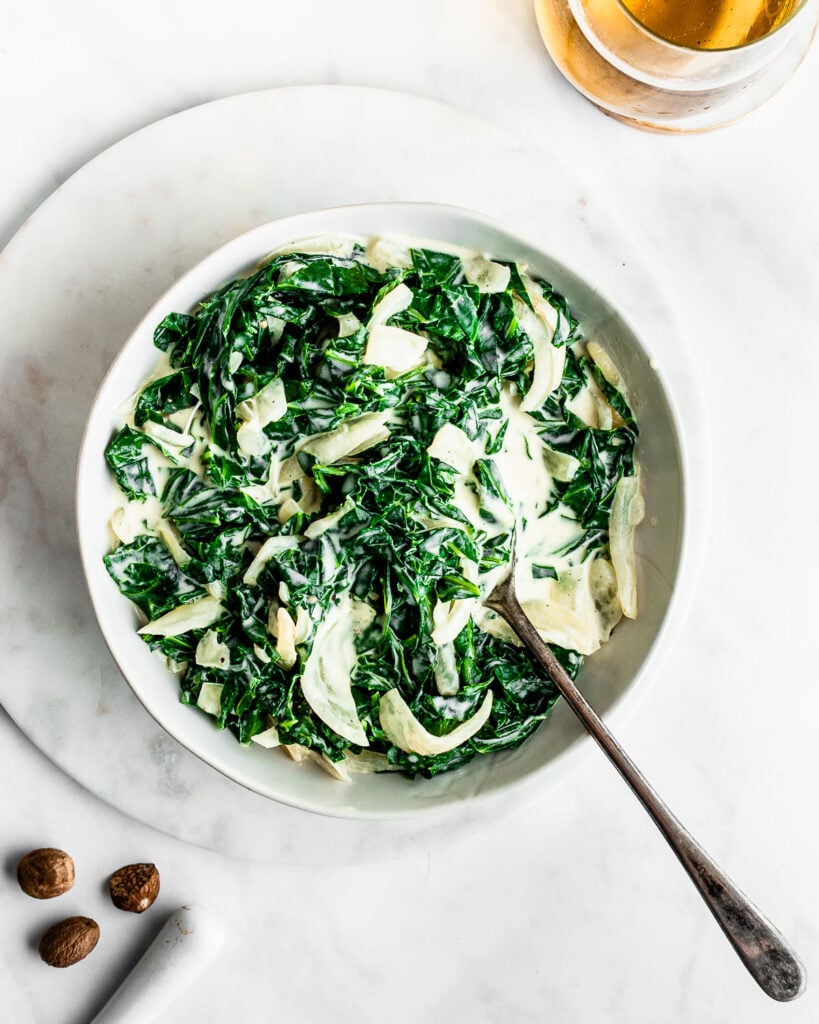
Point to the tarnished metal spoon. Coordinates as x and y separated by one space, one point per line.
766 954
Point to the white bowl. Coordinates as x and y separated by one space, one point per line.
609 678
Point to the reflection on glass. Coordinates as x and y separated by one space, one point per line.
711 24
677 65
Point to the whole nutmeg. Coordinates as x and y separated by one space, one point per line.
45 873
69 941
134 887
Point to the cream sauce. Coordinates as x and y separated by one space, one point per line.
576 608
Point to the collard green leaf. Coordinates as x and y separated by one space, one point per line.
175 332
146 573
164 396
323 278
125 455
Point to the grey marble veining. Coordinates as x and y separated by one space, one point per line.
567 908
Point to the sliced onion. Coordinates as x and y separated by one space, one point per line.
549 360
397 350
196 615
488 276
210 698
404 730
326 679
272 546
627 510
211 652
452 446
267 739
354 434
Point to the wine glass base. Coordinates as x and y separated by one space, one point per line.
663 110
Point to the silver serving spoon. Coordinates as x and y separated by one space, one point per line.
766 954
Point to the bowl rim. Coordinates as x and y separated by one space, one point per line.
558 766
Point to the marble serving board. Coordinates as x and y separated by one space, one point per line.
75 281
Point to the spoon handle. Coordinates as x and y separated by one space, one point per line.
766 954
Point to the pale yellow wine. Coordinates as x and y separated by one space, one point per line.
711 24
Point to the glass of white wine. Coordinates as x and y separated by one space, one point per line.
677 65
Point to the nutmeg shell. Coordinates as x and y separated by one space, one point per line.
134 887
69 941
45 873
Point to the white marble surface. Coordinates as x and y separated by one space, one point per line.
571 909
153 224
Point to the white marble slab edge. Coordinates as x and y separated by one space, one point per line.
107 243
